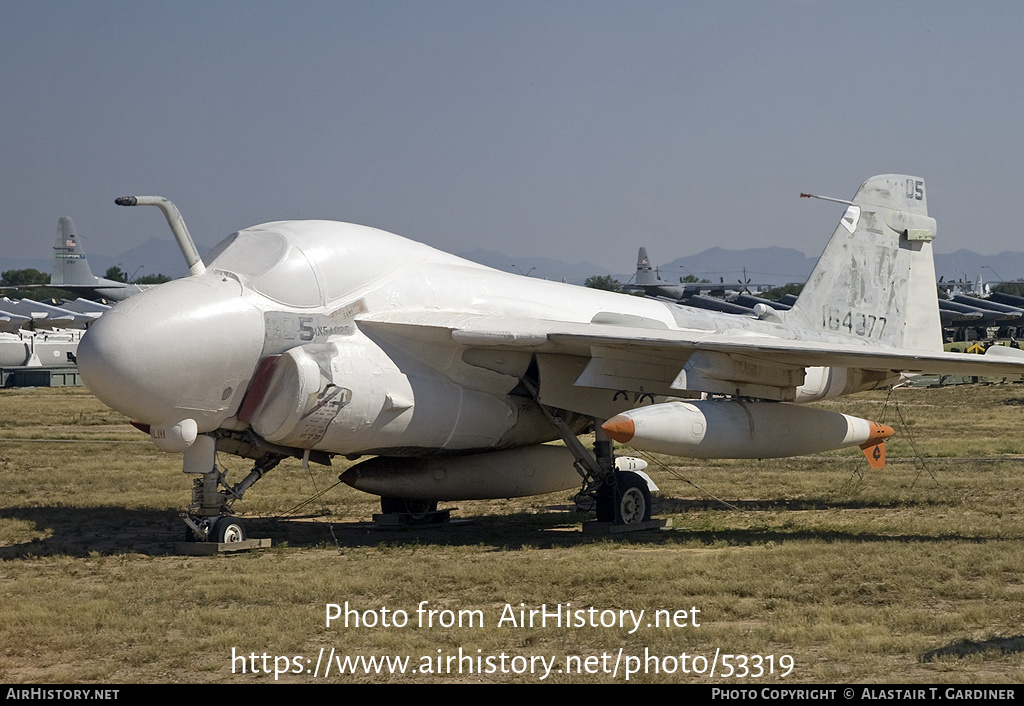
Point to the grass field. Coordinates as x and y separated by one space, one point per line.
814 569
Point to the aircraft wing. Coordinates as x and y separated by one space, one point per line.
10 323
621 356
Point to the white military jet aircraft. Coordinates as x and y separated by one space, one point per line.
315 339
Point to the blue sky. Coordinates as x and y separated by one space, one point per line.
574 130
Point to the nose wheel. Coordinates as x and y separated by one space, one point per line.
220 530
227 530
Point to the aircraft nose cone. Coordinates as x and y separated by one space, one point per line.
183 350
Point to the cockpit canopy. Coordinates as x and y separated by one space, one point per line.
311 263
265 261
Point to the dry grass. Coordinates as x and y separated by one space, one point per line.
911 574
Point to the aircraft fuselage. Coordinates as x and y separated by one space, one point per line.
322 335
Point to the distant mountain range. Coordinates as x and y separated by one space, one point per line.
774 266
540 267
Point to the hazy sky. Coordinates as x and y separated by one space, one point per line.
575 130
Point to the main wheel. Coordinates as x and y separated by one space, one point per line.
227 530
416 509
625 500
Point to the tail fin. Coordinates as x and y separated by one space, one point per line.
644 273
69 263
876 277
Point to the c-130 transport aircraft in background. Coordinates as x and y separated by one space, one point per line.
71 269
314 339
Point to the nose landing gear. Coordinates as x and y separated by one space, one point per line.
209 516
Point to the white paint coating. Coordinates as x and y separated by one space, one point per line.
389 347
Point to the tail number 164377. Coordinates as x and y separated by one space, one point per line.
855 322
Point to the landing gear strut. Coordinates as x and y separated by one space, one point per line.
209 515
620 497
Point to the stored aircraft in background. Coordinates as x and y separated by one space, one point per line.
71 269
648 280
316 339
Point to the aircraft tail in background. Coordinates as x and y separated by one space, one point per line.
70 265
645 275
71 269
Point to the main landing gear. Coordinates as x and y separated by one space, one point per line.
625 499
620 497
406 511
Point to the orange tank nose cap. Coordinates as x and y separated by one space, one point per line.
619 428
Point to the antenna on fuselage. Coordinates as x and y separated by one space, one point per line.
177 224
